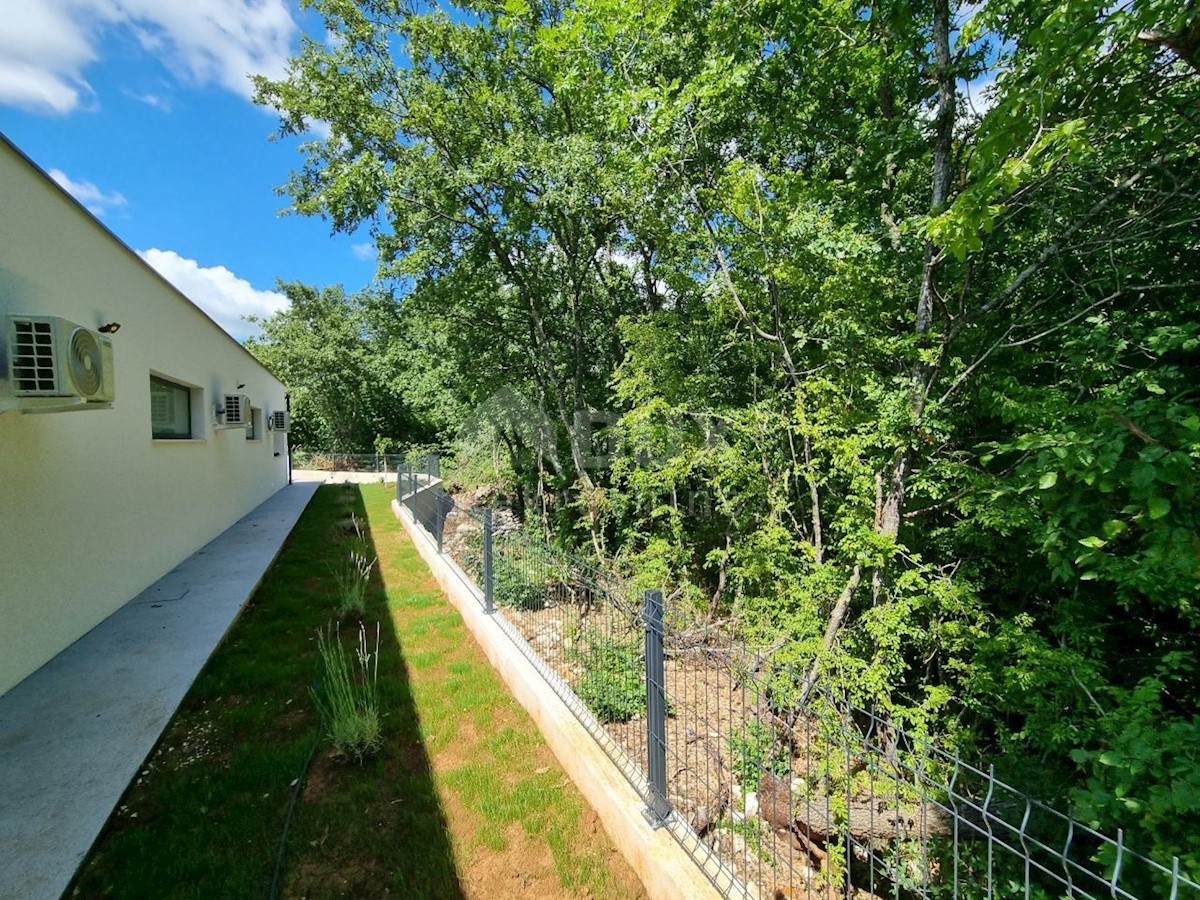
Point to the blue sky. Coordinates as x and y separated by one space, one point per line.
141 108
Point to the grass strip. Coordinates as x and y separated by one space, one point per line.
463 798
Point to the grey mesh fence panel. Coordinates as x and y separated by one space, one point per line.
335 461
773 799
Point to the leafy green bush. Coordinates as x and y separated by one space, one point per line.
514 587
612 685
754 750
348 699
514 581
1146 775
472 461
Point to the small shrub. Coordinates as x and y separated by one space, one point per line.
351 581
514 583
351 525
754 750
612 685
751 830
514 587
348 700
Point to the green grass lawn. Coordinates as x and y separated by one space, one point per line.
464 799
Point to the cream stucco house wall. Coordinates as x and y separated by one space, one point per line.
94 507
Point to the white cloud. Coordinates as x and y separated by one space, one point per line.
42 55
45 45
363 251
225 297
158 101
88 194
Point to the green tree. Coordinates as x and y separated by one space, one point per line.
485 178
907 382
336 355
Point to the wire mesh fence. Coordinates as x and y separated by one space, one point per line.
770 796
334 461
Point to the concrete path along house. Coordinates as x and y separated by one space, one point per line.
74 733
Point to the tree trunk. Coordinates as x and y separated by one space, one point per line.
921 373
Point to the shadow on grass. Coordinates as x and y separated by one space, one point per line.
205 816
399 839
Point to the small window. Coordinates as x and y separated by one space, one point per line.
254 431
170 410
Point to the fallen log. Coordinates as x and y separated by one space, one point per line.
866 819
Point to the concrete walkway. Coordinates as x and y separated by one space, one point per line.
75 732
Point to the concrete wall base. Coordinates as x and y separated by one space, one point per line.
666 871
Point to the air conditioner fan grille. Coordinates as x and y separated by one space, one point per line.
85 362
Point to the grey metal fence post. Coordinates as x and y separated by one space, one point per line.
412 488
399 483
439 519
487 560
658 808
442 501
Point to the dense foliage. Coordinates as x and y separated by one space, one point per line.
894 305
337 355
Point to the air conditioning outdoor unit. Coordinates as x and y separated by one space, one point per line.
279 420
237 410
56 365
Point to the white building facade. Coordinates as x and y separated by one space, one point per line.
121 449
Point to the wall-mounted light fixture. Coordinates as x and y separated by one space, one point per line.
110 328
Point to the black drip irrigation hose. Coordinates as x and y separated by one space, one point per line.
287 822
